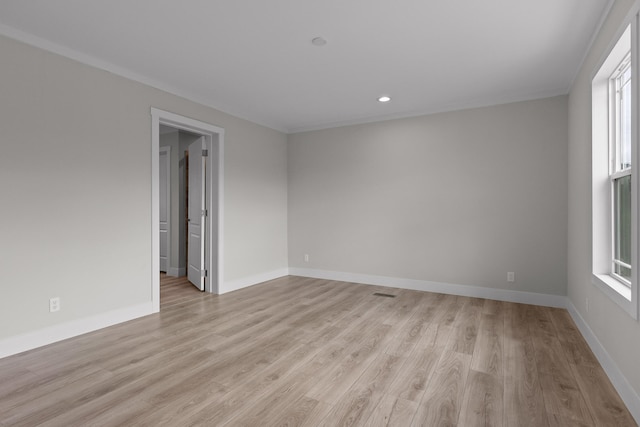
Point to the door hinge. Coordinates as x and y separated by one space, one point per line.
204 212
203 273
205 153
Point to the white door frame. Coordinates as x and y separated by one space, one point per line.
214 140
167 150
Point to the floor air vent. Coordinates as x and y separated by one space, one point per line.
378 294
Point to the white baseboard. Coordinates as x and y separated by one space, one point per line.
19 343
176 272
234 285
443 288
619 381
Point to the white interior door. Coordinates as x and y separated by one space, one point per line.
165 155
196 220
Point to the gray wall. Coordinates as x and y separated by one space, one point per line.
75 180
461 197
616 331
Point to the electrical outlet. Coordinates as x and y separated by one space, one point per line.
511 276
54 304
306 257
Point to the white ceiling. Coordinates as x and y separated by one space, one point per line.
254 58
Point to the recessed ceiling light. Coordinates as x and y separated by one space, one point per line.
384 98
319 41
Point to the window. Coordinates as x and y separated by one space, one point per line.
614 188
620 149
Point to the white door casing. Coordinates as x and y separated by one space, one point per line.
214 239
197 209
165 207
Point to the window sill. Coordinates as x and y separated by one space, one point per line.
616 291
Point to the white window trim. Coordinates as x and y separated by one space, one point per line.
610 284
625 296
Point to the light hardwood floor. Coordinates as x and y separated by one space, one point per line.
298 351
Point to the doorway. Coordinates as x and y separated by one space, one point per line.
210 139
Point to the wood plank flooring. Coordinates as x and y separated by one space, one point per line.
307 352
